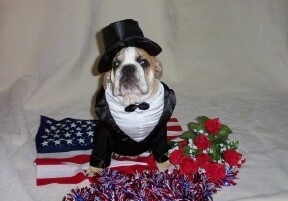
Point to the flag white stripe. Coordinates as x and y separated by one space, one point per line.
178 139
71 169
172 123
171 134
60 170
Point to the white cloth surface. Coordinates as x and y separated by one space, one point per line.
224 58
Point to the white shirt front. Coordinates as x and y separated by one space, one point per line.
138 124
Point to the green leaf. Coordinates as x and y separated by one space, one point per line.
192 126
220 140
195 127
186 150
188 135
201 119
195 152
212 138
221 137
172 144
216 152
225 130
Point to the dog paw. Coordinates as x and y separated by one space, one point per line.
165 166
92 171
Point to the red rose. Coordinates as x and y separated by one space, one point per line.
202 142
176 156
215 171
188 166
203 159
232 157
212 126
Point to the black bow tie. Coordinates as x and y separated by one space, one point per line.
133 107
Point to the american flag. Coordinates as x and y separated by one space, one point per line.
64 148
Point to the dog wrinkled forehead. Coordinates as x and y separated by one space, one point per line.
130 54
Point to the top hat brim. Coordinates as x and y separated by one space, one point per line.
105 63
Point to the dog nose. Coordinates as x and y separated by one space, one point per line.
128 69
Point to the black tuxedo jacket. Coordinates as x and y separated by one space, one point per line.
110 138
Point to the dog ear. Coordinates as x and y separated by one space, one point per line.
107 79
158 68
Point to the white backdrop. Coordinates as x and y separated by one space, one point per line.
224 58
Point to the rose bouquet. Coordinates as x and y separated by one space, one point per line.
207 150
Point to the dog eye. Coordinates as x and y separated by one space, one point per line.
116 64
144 63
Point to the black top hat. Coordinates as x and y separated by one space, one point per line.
125 33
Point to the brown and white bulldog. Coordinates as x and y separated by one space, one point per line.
132 81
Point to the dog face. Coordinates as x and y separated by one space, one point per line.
133 75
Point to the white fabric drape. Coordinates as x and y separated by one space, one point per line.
224 58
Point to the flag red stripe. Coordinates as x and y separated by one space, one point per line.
173 120
79 159
135 168
174 128
79 177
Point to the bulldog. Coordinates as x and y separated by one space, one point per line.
133 106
